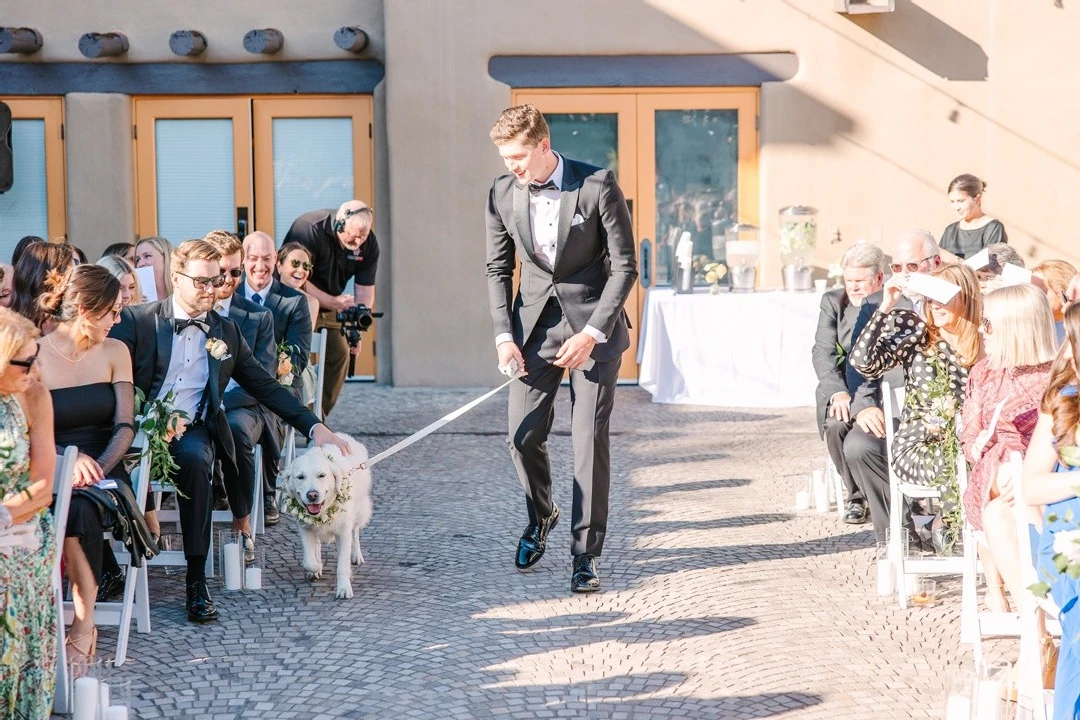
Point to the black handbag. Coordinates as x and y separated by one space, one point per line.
124 519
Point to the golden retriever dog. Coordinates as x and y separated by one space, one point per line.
329 494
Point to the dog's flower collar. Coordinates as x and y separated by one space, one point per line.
294 508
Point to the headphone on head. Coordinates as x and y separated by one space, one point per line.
340 222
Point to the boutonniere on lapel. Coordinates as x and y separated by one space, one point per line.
218 349
285 367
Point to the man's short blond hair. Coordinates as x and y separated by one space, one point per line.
521 122
192 250
225 242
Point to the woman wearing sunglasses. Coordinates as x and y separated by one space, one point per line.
294 269
27 553
89 377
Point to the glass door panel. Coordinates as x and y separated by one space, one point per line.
312 153
35 203
699 161
599 130
193 166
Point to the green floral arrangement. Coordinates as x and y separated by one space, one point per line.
939 422
1066 542
714 273
161 423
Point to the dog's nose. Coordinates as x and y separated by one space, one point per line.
313 495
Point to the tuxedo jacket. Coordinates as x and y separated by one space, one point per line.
147 331
257 328
595 265
837 327
292 321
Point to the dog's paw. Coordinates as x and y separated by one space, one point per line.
313 573
344 591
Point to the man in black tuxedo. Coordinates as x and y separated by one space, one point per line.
569 225
181 345
247 419
844 397
292 326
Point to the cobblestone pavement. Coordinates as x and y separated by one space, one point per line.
719 601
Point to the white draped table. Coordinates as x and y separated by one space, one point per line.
729 349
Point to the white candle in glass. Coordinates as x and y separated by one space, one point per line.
988 705
958 707
233 577
821 492
802 500
117 712
86 699
103 697
886 577
253 578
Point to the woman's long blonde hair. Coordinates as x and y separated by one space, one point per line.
162 246
15 332
968 305
1021 329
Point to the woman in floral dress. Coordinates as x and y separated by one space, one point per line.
27 549
936 353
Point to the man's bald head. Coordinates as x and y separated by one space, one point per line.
915 251
260 259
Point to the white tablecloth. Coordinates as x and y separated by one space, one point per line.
729 349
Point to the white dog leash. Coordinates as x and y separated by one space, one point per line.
445 419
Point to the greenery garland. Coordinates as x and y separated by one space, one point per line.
295 508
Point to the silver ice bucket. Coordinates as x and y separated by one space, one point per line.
743 278
798 278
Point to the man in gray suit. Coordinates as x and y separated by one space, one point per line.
569 225
844 397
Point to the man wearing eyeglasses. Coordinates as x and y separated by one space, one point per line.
246 417
292 326
180 345
342 247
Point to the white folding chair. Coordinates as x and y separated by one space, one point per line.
1030 687
62 480
136 598
318 348
893 402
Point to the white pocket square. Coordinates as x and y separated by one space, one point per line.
578 219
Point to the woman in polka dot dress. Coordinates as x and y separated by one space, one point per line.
933 351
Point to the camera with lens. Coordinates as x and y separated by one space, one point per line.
355 320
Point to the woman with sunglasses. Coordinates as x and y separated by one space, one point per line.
294 269
27 552
935 353
89 377
1000 411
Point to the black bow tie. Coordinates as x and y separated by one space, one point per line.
537 189
180 325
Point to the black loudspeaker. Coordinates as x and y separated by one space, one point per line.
7 168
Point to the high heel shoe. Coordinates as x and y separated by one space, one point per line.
74 652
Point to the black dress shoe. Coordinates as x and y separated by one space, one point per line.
112 583
271 515
856 513
200 608
585 578
532 544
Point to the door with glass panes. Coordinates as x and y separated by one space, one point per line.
251 163
686 161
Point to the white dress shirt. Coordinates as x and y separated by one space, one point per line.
189 369
249 292
544 222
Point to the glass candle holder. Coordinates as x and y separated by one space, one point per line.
886 572
253 571
172 542
231 559
801 488
924 593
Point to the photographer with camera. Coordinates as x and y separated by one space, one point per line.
342 246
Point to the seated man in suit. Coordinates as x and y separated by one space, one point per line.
246 417
180 344
844 396
292 326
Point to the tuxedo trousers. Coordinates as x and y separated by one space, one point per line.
246 425
531 413
194 453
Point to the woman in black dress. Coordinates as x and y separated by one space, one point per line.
89 377
975 229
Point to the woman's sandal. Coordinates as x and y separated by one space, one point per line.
87 654
1002 605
